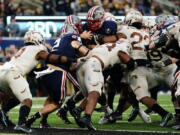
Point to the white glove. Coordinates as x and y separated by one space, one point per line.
44 72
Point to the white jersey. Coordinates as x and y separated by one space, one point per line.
174 31
25 60
108 52
109 16
137 38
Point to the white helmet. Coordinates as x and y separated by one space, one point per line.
74 20
163 20
33 37
133 16
160 20
149 22
68 28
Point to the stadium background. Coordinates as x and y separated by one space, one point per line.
47 16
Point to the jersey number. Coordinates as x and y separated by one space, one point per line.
56 45
136 34
155 55
140 38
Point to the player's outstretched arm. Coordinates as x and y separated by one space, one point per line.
83 51
53 58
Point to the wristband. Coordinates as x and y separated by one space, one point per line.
167 62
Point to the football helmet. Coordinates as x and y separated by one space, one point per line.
33 37
95 18
163 20
69 28
74 20
134 18
160 20
149 22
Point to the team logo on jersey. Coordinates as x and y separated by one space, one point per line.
74 36
108 30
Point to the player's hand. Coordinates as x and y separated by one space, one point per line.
159 64
86 35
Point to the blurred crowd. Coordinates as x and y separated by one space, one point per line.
7 53
78 7
67 7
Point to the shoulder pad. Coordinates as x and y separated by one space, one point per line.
171 27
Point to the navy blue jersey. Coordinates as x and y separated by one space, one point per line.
62 46
108 28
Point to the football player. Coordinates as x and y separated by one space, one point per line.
13 72
168 37
103 31
91 79
70 104
54 79
140 78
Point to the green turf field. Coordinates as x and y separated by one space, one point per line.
138 124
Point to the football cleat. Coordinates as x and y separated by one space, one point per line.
23 128
114 116
87 123
30 121
44 125
103 120
133 114
165 119
175 124
62 113
145 117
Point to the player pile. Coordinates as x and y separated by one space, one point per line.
101 57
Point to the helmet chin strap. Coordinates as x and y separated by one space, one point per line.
29 43
138 25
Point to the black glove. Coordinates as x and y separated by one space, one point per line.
163 38
174 53
163 63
